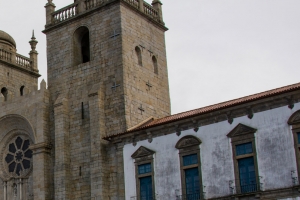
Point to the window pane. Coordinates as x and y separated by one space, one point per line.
145 168
190 159
242 149
298 134
146 188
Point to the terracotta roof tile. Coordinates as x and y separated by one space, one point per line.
207 109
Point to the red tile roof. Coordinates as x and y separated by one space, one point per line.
215 107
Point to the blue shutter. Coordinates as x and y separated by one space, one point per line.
247 175
192 184
146 188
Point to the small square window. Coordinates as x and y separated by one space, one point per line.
190 159
145 168
242 149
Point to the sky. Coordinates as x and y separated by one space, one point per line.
217 50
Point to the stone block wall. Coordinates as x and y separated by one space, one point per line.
13 79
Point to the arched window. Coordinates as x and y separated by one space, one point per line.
154 60
81 45
139 55
22 90
4 92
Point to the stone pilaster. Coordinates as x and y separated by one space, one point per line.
120 171
41 158
98 163
62 150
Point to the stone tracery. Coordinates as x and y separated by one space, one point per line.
18 156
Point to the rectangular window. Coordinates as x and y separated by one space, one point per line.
190 159
298 135
145 168
247 175
242 149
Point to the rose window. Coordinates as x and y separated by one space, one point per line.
18 156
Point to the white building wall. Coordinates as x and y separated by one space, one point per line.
274 145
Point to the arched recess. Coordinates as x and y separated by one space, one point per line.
16 136
12 122
155 66
139 55
81 45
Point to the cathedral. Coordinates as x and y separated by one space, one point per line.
103 129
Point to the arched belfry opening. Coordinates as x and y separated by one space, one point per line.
81 45
4 92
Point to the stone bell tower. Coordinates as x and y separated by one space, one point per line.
107 72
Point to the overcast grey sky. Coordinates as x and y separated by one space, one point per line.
217 49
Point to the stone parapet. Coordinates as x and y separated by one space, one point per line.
81 7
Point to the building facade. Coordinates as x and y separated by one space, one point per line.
102 128
247 148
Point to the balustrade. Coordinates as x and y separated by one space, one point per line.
65 13
23 61
89 4
72 10
134 3
5 55
149 10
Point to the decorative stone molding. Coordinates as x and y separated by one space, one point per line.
43 147
142 152
188 141
241 129
295 118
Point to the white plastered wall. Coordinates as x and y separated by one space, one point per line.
274 145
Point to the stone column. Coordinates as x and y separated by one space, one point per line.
50 8
62 149
41 157
5 190
98 164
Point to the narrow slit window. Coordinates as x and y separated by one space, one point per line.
155 67
139 55
22 90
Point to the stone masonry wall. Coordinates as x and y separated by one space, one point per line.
138 31
30 113
13 79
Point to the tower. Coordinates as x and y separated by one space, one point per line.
107 73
